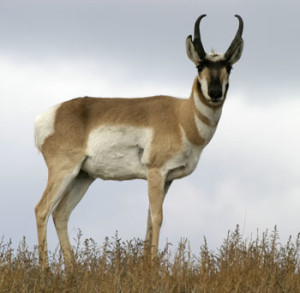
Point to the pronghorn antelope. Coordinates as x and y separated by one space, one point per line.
156 138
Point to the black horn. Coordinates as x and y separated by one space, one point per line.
237 39
197 38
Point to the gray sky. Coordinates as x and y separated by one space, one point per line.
248 175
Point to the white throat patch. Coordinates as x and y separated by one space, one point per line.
212 114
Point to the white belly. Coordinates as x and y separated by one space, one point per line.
118 152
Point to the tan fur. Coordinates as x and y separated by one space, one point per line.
64 153
155 138
75 119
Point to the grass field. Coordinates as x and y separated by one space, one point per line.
259 265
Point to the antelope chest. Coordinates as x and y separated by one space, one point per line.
183 162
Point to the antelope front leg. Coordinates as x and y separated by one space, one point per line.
156 186
148 237
149 219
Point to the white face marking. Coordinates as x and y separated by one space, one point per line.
205 131
212 56
118 152
212 115
204 87
44 126
224 84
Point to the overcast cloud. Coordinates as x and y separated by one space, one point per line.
249 174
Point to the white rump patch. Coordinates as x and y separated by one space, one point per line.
44 126
118 152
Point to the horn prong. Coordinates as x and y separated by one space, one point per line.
237 39
197 38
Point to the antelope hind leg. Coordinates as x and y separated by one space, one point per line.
63 210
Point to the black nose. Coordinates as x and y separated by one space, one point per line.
215 93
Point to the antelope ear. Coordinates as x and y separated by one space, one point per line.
191 51
237 53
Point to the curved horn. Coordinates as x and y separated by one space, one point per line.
237 39
197 38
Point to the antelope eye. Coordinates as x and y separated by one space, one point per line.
200 67
229 68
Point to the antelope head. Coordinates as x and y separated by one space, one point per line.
214 69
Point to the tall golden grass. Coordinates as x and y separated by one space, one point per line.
259 265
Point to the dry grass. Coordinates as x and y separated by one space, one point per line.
260 265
